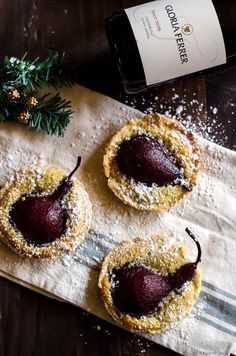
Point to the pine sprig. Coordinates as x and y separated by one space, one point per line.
19 98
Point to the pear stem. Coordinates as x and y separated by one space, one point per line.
66 183
187 186
75 169
197 243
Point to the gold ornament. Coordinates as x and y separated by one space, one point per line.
32 101
13 94
23 117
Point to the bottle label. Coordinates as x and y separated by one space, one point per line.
177 37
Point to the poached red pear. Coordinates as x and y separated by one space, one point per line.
147 160
42 219
138 290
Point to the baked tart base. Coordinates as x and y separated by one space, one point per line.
159 254
180 142
76 202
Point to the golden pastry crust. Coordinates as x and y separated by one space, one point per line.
160 254
177 139
46 179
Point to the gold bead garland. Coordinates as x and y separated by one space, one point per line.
32 102
23 117
13 94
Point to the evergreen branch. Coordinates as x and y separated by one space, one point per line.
19 80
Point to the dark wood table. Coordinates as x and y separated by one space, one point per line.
31 324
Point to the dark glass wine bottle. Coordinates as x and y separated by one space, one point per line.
125 44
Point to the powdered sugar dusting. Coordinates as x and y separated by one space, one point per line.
191 112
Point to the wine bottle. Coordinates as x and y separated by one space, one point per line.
165 39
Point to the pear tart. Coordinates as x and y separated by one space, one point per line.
152 163
43 212
149 284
